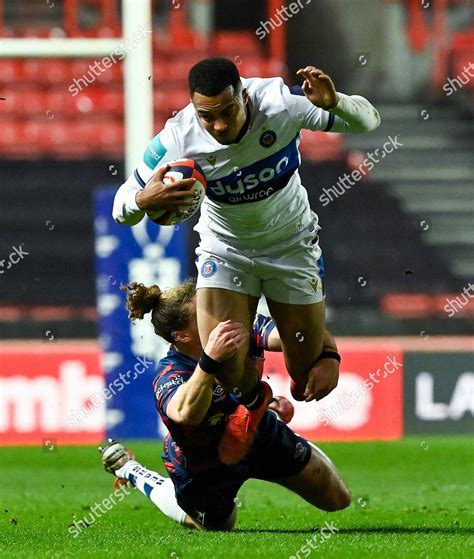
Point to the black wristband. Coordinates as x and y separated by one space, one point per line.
208 364
329 355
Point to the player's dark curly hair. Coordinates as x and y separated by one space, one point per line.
170 310
212 75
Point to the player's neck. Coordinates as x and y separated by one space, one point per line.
246 124
189 350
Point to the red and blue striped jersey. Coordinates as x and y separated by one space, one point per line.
195 446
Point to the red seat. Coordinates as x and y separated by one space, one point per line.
27 102
47 72
11 134
11 71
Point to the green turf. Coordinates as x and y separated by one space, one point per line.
412 498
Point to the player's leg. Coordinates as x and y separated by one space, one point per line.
301 330
319 483
214 305
118 461
280 455
293 287
209 498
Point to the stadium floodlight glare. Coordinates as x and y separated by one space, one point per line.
138 88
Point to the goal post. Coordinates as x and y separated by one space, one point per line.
138 85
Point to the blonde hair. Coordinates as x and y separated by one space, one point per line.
170 310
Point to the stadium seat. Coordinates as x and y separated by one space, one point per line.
24 102
11 71
46 72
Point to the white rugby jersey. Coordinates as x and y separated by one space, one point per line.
255 196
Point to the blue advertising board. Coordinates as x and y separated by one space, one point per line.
148 254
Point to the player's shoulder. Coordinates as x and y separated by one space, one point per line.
174 364
174 126
170 137
268 92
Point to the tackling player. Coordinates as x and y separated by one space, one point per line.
258 234
195 409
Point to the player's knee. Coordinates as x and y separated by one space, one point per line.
340 499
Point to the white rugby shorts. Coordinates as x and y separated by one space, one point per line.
289 271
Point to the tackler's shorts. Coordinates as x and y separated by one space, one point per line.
289 271
210 496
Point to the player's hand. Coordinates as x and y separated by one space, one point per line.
318 87
322 379
226 338
158 196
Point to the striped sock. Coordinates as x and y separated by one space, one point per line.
159 489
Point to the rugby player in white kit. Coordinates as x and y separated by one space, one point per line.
258 235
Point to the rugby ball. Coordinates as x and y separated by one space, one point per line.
179 170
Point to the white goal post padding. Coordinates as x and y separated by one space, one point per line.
138 88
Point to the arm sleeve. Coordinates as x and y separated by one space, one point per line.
162 149
353 113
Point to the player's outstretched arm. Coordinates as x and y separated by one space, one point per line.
318 106
191 401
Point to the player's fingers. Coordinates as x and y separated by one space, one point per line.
313 388
181 201
161 172
308 68
304 72
180 195
229 329
240 340
322 394
184 184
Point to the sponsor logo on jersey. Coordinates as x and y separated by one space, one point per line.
176 381
257 181
218 393
208 269
154 152
268 138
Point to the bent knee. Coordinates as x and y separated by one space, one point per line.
341 499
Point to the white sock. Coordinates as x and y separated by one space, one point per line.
159 489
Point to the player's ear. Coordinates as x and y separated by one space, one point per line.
245 96
181 336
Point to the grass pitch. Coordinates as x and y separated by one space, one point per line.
412 498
